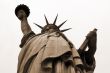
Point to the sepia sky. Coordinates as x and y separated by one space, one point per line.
81 15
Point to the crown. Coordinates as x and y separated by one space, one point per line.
53 25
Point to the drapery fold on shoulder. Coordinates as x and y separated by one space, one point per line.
45 49
26 37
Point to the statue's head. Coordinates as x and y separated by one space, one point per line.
24 10
52 27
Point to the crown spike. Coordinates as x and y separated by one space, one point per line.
65 30
46 19
55 20
61 24
39 26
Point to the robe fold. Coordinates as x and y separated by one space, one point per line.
47 53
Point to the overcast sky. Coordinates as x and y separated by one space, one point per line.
82 15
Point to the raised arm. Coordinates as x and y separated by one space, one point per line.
24 25
22 12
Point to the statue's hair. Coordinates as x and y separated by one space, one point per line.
22 7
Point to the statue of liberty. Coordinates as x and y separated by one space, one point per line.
50 51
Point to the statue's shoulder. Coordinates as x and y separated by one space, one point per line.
26 38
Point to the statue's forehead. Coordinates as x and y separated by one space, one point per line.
50 25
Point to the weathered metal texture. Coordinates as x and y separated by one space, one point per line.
48 48
51 51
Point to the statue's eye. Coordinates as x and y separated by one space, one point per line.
47 28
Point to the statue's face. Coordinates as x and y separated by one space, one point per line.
21 14
50 28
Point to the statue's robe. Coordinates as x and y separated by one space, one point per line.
47 53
